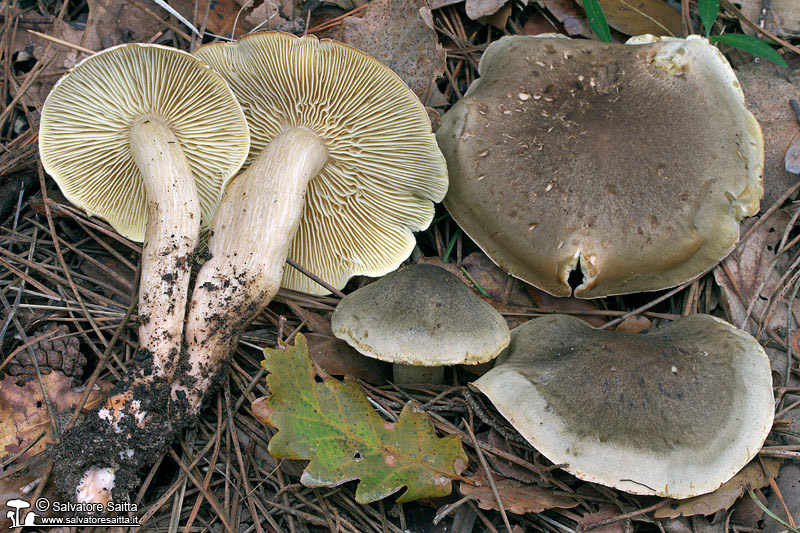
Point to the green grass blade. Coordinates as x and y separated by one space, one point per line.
708 11
597 20
753 45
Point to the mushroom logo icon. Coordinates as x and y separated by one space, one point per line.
14 515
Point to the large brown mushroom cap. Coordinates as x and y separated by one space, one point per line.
632 162
420 315
84 137
674 412
384 168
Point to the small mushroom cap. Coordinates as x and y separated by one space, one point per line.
384 169
420 315
631 162
673 412
84 134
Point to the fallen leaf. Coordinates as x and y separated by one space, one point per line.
634 324
332 425
518 498
506 468
788 483
637 17
783 16
338 358
222 14
23 413
21 488
395 33
334 355
605 512
476 9
767 94
495 280
748 265
568 13
747 513
537 24
570 305
270 16
752 476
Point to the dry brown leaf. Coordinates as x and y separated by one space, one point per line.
483 8
634 324
788 483
752 476
221 15
395 33
537 24
21 488
637 17
568 13
335 356
23 414
450 267
767 96
783 16
605 512
495 281
505 468
747 513
748 265
569 305
517 498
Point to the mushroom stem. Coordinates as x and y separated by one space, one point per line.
407 374
252 230
171 234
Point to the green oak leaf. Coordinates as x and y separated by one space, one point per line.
331 424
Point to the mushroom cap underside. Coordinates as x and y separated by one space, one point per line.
384 169
84 137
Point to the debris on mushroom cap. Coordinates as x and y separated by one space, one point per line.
420 315
631 162
674 412
384 168
84 134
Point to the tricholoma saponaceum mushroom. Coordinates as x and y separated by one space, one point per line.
631 162
343 168
421 318
674 412
145 137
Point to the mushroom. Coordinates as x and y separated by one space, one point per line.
143 136
675 412
420 316
633 163
342 155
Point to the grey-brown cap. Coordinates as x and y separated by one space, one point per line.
632 162
673 412
84 134
384 169
420 315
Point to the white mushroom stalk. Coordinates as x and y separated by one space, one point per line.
143 136
343 168
251 233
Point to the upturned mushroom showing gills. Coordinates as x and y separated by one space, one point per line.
633 163
673 412
143 136
343 168
420 317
